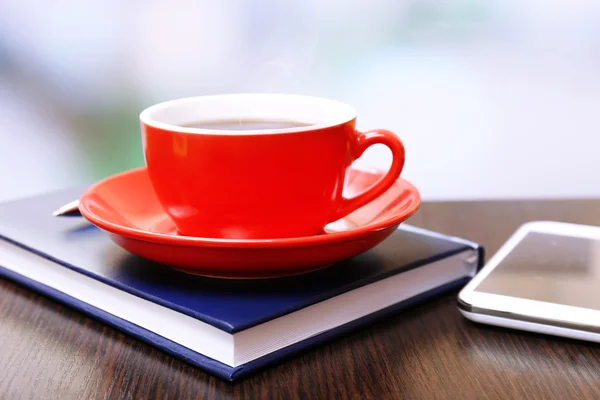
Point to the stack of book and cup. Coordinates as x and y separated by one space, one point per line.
248 236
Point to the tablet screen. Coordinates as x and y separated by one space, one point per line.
551 268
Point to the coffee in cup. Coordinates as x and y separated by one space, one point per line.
257 166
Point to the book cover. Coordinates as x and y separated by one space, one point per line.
58 256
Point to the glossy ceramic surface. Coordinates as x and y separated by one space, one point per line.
260 184
126 207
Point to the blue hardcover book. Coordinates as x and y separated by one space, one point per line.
229 328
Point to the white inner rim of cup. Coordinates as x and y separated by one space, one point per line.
316 111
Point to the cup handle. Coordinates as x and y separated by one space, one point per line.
362 141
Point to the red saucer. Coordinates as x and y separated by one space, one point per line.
126 207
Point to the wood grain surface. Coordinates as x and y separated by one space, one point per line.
48 351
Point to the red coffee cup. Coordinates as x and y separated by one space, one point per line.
257 166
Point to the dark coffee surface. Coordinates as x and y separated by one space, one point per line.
245 124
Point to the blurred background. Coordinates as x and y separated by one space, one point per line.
493 99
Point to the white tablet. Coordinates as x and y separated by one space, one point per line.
545 279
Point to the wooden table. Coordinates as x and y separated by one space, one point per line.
50 351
